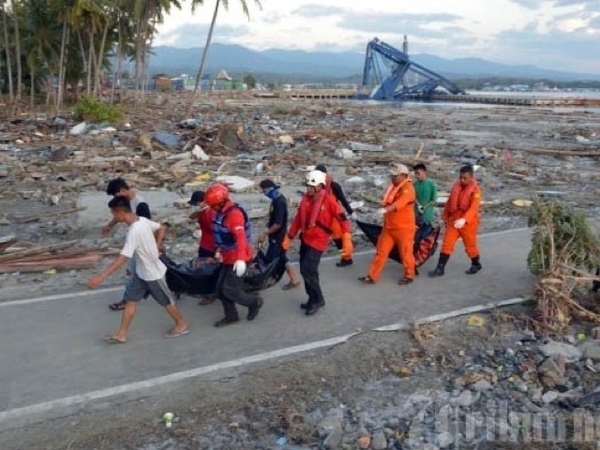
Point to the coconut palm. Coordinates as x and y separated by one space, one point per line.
225 3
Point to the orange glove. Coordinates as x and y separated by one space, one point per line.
347 244
285 244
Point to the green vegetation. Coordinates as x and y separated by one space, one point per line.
96 111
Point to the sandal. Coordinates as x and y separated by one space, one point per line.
290 285
175 334
367 279
119 306
405 281
112 340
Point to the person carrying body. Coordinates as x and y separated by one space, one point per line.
231 229
144 238
277 229
399 226
334 189
461 216
313 221
118 187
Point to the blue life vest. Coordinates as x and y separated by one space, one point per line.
223 236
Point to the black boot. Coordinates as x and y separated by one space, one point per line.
344 262
439 270
475 266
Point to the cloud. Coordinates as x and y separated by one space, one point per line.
536 4
312 10
414 24
194 34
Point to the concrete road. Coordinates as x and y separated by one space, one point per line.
51 349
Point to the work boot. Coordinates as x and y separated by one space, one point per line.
254 309
313 308
226 321
475 266
439 270
345 262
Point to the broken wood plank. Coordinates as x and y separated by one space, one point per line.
581 153
36 251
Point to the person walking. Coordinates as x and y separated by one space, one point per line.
144 238
277 229
334 189
313 221
118 187
399 226
231 228
461 216
426 197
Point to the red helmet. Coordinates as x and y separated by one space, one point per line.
216 194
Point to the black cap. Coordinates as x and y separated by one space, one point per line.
267 184
321 168
197 197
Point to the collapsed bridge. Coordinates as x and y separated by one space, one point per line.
405 79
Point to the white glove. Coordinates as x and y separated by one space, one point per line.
382 212
239 267
459 223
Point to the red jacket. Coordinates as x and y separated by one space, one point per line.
318 236
205 221
234 221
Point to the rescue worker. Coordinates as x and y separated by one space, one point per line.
426 196
204 216
316 213
231 229
399 226
207 246
276 229
335 190
461 216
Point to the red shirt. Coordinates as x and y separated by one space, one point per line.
318 236
234 222
205 221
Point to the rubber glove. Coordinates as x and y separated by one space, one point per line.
346 244
459 223
239 267
382 212
285 244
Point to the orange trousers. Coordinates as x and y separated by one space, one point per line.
404 240
336 236
468 234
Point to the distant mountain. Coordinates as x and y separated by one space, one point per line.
236 58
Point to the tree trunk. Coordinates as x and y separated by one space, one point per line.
138 61
11 91
100 58
18 52
91 63
32 87
62 69
203 61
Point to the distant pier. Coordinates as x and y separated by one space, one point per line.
516 100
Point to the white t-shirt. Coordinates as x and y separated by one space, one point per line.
141 244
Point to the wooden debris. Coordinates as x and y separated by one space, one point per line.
36 251
37 217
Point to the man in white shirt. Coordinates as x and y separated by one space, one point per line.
144 238
118 187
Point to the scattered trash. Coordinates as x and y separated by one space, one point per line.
475 321
78 129
168 419
522 203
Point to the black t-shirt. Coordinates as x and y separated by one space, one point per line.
278 214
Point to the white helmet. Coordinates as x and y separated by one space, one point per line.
315 178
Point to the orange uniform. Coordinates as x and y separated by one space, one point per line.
399 228
337 233
463 203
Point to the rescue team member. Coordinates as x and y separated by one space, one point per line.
461 215
399 226
276 229
231 230
316 213
144 238
334 189
426 195
207 246
118 187
205 216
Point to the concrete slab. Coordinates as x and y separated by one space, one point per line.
54 350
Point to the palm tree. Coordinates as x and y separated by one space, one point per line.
17 50
225 4
8 60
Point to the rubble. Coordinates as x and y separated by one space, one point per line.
50 163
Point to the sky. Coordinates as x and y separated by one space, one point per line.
551 34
